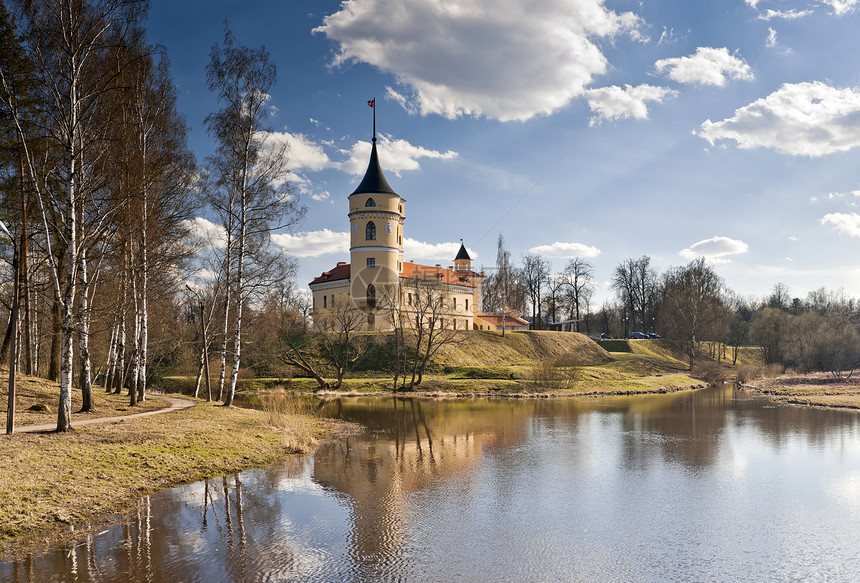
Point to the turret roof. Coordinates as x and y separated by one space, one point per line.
462 253
374 181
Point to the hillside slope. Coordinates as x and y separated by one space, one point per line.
520 348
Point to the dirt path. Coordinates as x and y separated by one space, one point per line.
175 405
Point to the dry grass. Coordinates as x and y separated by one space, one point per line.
519 348
50 481
816 389
31 391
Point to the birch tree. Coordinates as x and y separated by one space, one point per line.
67 43
248 171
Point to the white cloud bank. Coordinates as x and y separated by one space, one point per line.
614 102
501 59
801 119
792 14
847 223
442 253
306 155
841 7
205 232
715 249
313 243
708 66
560 250
328 242
395 155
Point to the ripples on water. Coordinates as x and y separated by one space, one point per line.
708 486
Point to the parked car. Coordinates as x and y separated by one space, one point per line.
606 336
653 335
638 336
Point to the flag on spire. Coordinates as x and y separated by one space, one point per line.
372 103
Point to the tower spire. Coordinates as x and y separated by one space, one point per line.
372 104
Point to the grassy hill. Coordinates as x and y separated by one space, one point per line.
550 363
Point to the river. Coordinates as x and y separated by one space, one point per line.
710 485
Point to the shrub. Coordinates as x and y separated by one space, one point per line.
749 373
561 372
482 372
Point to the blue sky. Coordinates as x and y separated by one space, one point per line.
604 129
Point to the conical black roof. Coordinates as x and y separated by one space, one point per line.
373 181
462 253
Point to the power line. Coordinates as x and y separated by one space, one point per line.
535 185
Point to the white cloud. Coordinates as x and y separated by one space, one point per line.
709 66
841 7
613 102
752 3
395 155
771 41
666 37
304 153
502 59
783 14
313 243
837 195
847 223
715 249
442 253
204 231
562 250
321 196
802 119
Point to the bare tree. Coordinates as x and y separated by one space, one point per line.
692 309
248 167
502 290
68 43
535 272
635 282
423 326
578 277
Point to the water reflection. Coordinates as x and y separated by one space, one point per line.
707 485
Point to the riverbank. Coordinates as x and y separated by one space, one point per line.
53 483
815 389
530 364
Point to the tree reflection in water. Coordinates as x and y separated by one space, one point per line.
606 489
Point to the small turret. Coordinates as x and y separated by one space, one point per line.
462 262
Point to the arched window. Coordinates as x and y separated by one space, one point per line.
370 231
370 202
371 296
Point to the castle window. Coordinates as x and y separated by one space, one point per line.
371 297
387 228
371 262
325 301
455 305
410 298
370 231
370 202
467 303
332 300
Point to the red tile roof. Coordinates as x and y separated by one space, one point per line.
509 321
410 270
449 276
341 271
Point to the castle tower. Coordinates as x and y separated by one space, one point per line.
376 215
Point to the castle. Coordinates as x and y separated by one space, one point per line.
381 284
